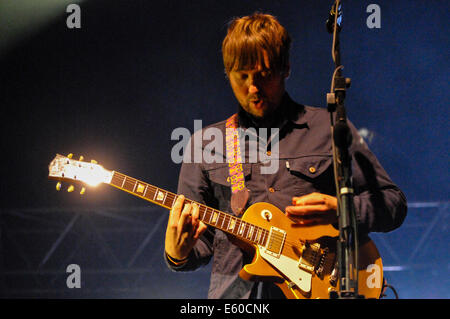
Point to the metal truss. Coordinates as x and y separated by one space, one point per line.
119 251
425 226
415 256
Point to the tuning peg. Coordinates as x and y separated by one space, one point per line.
71 189
58 186
83 190
70 155
94 162
81 158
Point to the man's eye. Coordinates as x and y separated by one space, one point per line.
266 74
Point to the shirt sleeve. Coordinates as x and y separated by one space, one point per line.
193 184
380 205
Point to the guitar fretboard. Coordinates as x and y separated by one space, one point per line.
210 216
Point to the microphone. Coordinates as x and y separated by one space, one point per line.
330 21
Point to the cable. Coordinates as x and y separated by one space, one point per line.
393 290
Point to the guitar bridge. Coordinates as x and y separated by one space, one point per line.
313 258
320 267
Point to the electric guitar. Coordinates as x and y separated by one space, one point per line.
301 260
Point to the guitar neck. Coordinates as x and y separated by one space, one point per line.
210 216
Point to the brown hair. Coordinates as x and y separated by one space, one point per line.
249 37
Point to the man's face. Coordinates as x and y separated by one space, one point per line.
258 90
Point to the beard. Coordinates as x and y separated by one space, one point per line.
258 117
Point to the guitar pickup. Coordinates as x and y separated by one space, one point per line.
276 241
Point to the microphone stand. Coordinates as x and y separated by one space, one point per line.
347 258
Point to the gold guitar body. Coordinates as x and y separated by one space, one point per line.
302 262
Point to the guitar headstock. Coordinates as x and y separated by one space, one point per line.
64 168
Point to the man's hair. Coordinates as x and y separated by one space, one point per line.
249 37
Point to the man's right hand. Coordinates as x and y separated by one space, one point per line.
183 229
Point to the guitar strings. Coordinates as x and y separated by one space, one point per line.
274 239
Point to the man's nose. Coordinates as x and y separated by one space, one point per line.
253 88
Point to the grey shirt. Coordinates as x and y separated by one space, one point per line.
305 165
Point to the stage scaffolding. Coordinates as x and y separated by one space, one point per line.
119 252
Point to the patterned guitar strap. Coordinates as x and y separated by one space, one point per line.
239 193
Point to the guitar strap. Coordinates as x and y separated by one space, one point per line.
239 193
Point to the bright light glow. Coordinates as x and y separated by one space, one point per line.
94 175
91 174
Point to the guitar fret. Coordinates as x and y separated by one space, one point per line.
156 191
250 232
148 194
238 224
241 229
246 229
258 235
145 191
235 222
263 238
210 217
134 188
217 218
204 212
256 232
174 200
223 221
123 182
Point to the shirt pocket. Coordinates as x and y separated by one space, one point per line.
311 174
219 173
220 186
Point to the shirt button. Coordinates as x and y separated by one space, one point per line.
312 169
271 190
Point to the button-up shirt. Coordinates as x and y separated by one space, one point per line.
305 165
